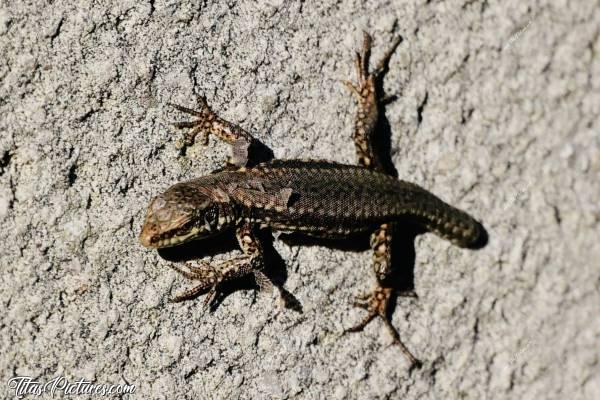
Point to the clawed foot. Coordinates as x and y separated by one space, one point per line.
376 303
209 123
364 90
201 127
207 275
211 279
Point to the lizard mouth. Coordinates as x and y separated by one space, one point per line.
151 240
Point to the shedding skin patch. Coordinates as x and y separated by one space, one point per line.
163 214
158 204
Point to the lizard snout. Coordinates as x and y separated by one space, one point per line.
147 235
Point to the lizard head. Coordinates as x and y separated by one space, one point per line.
180 214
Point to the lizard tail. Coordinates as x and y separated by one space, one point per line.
459 228
451 223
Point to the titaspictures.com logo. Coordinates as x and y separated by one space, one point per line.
23 386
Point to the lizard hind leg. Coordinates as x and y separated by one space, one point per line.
377 303
368 92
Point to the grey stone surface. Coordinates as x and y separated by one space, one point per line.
499 115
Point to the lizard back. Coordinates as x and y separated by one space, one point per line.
331 199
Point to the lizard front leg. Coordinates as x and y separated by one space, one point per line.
370 102
209 123
211 277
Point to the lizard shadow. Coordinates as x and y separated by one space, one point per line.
275 267
402 250
403 253
403 258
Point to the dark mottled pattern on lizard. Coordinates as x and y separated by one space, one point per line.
318 198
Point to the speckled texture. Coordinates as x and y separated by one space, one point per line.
499 115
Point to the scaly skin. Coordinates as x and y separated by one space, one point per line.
318 198
315 197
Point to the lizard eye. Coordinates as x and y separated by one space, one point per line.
211 219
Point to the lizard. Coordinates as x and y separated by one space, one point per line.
317 198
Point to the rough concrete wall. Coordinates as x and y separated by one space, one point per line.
498 114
